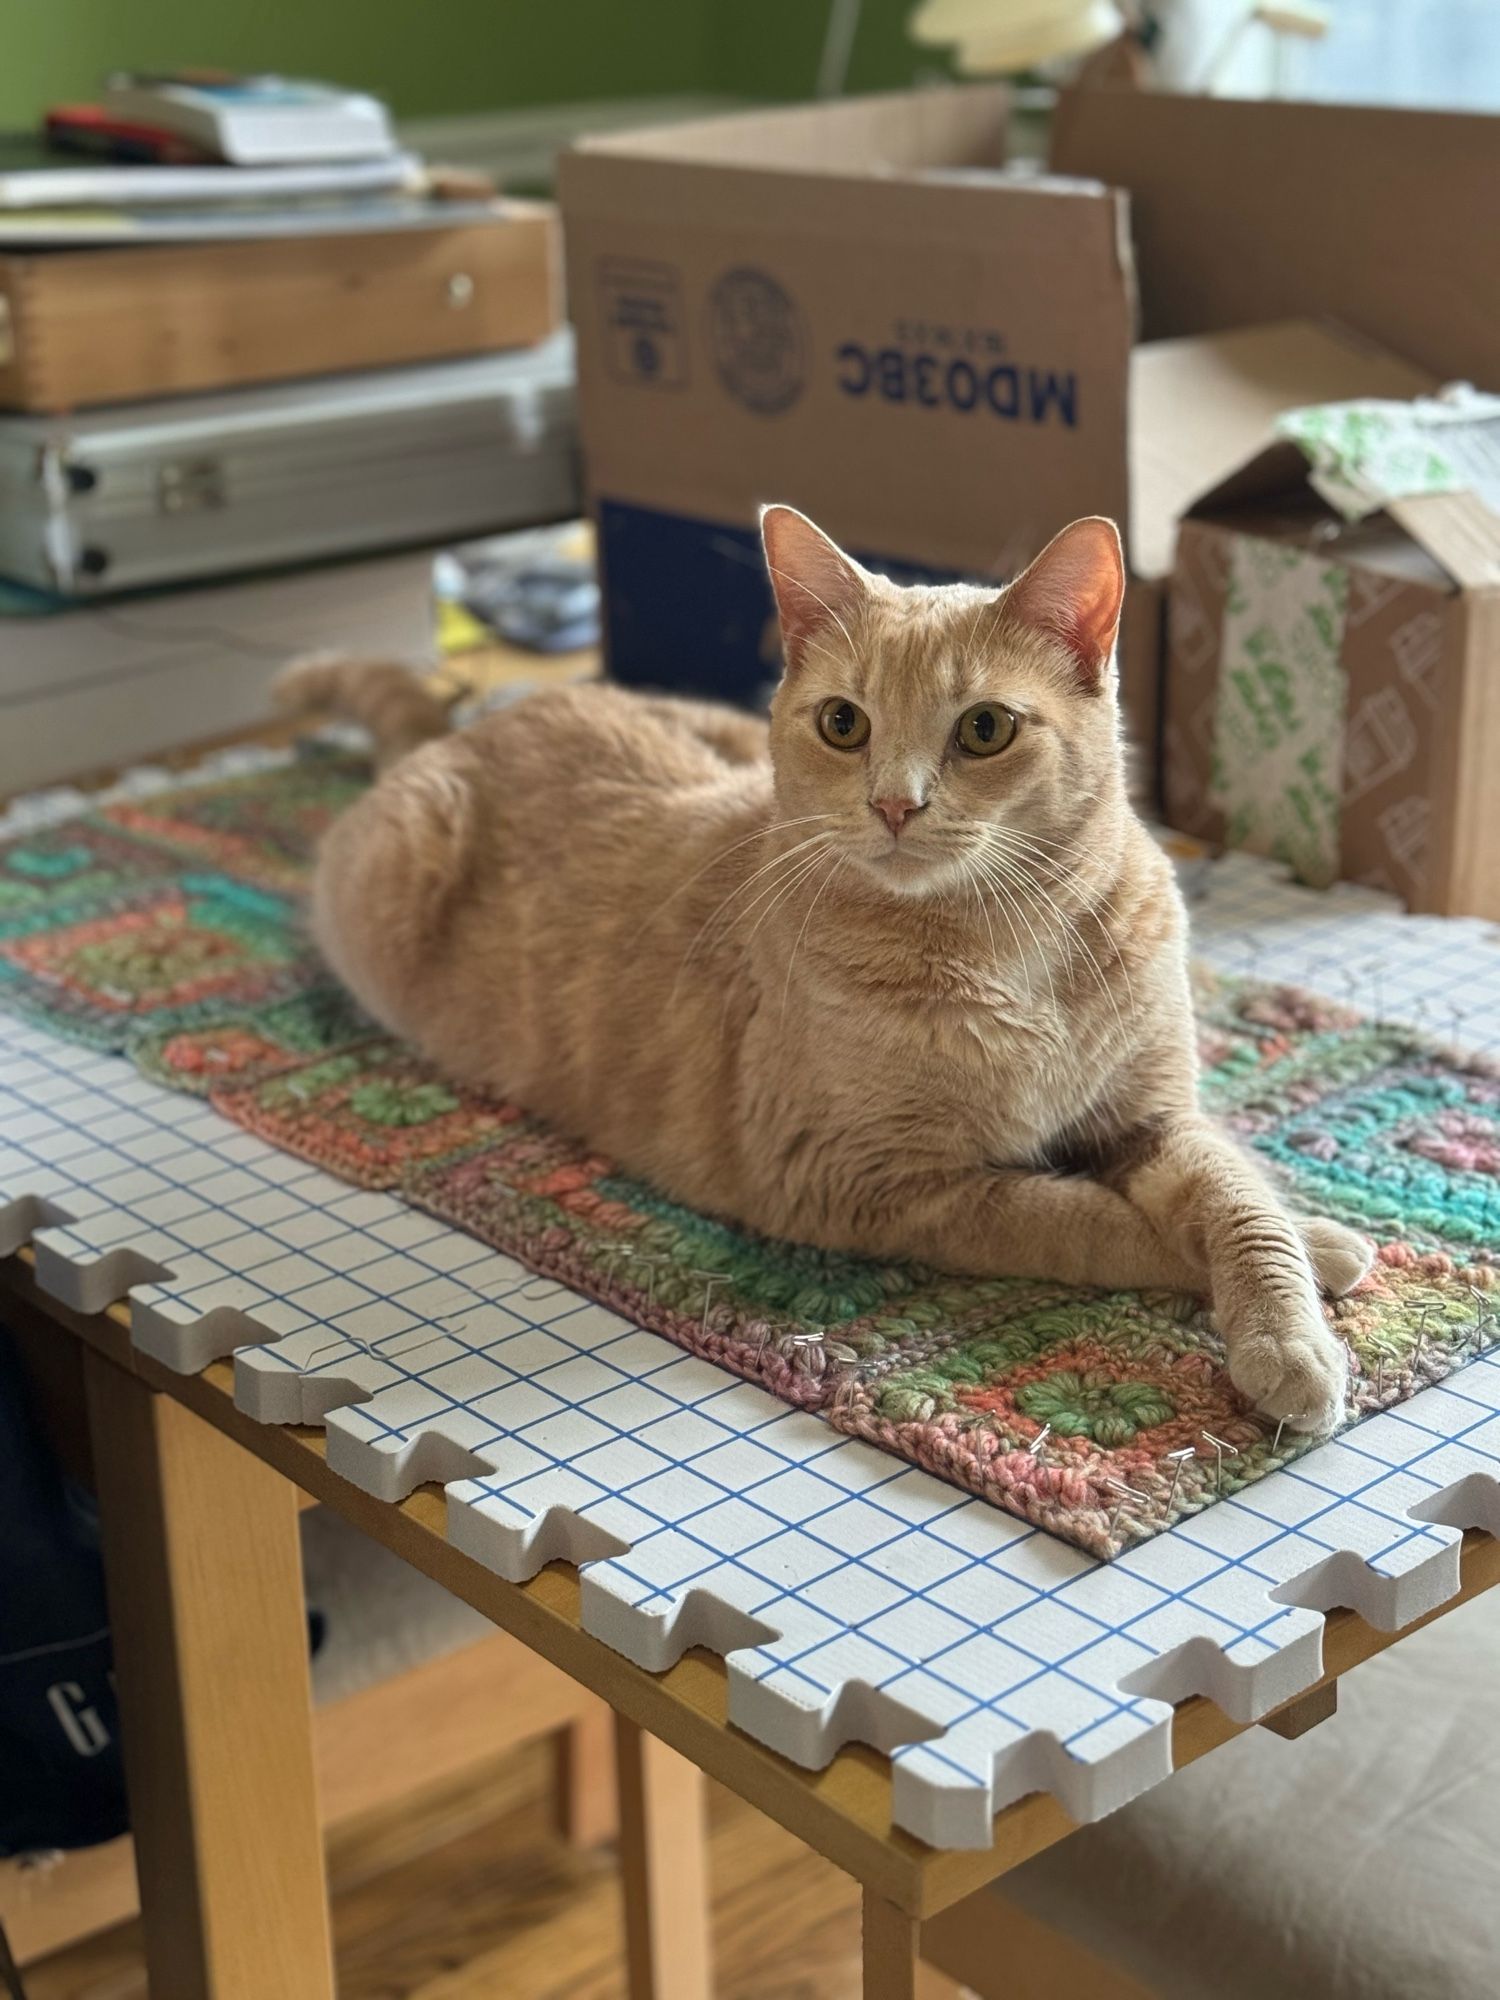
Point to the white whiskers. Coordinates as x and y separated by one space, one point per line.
1002 863
715 928
756 833
835 868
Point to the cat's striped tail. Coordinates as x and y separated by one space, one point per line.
386 699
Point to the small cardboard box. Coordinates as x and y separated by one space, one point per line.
84 327
846 306
1332 692
1200 408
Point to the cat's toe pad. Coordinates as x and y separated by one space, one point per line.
1341 1257
1293 1370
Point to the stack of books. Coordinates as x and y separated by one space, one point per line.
259 366
238 317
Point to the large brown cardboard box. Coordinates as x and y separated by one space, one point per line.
843 306
790 305
79 327
1332 693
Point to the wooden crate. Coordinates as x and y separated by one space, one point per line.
79 327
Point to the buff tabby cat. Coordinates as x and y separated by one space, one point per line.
903 974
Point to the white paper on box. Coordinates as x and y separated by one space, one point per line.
1366 454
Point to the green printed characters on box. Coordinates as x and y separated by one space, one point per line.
1279 724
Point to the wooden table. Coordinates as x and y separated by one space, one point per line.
198 1504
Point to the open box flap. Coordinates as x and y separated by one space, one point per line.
898 133
1203 410
1458 531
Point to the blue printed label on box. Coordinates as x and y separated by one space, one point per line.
688 606
645 340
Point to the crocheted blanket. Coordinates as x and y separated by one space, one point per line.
167 927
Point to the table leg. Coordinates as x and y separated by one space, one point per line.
204 1575
663 1869
1295 1718
892 1967
584 1786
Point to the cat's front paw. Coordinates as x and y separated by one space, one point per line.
1290 1364
1340 1256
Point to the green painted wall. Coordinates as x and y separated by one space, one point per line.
422 56
771 48
429 56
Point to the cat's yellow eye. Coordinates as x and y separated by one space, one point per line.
985 728
843 724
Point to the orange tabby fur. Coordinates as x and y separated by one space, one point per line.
896 998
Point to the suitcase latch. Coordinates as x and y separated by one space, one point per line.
190 486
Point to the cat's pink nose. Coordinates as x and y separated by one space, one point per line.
895 812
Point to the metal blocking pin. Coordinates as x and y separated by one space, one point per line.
1481 1311
653 1270
1119 1487
1177 1460
845 1360
804 1345
708 1279
1222 1450
1416 1353
1033 1450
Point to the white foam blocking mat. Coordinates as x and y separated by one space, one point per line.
854 1597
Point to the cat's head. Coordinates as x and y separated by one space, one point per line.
945 728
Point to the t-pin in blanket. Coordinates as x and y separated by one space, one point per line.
166 926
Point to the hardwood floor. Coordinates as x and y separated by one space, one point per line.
473 1897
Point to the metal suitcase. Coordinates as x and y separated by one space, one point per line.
194 486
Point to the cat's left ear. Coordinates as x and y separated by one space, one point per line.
818 588
1074 592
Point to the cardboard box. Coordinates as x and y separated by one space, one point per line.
1200 408
788 305
1245 211
83 327
1332 695
844 306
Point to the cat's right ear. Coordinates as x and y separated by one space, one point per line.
817 586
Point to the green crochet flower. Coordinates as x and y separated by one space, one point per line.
382 1103
154 962
1095 1406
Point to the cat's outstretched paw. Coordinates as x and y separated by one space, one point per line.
1339 1256
1290 1365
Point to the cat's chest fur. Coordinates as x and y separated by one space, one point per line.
909 1059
